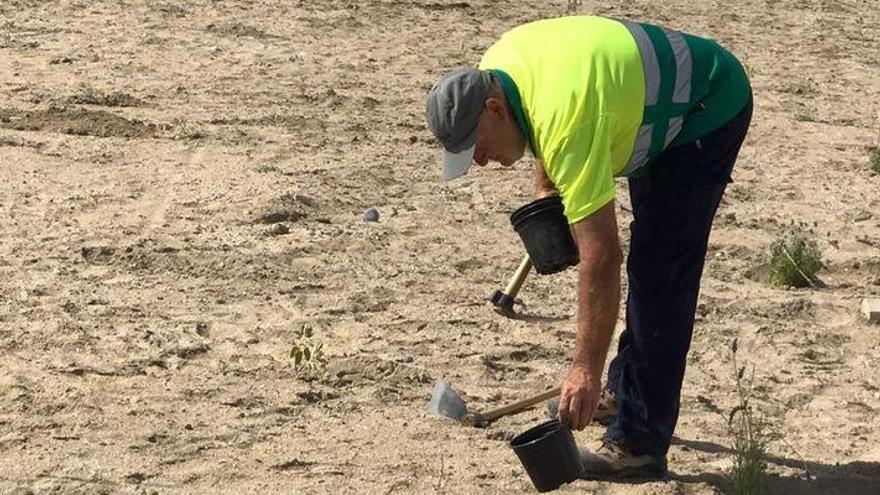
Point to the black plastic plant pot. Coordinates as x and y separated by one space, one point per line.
549 455
546 234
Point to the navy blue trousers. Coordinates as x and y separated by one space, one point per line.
673 207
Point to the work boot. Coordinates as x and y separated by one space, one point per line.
605 413
611 461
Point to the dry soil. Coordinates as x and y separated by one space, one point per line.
149 301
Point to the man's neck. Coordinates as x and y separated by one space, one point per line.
514 103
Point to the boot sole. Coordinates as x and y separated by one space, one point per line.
629 475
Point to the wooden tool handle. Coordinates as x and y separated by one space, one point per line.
519 277
519 406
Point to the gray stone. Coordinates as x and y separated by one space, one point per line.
371 215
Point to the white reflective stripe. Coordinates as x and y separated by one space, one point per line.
650 65
640 150
683 66
681 91
674 128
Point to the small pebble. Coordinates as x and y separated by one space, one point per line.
202 328
371 215
279 229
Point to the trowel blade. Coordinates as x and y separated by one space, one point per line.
446 402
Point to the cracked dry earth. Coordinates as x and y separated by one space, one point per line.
182 189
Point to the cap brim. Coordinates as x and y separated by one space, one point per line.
457 164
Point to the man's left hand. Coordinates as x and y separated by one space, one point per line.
580 395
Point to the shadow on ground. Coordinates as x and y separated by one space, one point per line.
854 478
535 318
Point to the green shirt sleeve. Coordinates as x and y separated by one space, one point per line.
581 167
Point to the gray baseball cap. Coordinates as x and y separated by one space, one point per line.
454 107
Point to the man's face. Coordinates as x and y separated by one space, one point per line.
498 136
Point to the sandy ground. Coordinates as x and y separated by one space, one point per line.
149 302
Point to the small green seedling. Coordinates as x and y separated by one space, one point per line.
182 131
794 260
875 160
748 475
308 356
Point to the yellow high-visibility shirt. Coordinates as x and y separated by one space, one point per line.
582 90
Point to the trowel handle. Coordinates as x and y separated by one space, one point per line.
519 277
522 405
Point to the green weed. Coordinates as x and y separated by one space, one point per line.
748 475
182 131
795 259
308 355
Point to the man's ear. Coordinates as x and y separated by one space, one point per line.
496 107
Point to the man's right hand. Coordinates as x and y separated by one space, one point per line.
579 397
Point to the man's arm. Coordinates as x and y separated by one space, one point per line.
598 305
543 185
